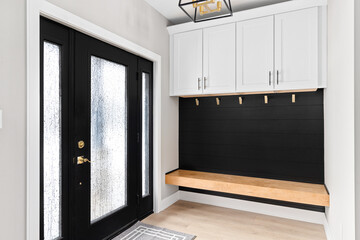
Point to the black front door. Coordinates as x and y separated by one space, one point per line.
102 114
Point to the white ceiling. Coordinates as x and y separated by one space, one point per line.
170 9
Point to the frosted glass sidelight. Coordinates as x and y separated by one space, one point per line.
51 141
145 98
108 137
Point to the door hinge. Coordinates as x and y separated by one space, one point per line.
138 199
138 137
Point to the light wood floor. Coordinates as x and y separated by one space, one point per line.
209 222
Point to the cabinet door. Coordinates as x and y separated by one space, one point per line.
255 55
219 59
187 78
296 49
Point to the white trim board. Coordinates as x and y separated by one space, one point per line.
255 207
249 206
250 14
170 200
327 229
35 9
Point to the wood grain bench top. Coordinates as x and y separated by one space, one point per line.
305 193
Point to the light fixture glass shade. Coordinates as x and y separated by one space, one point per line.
203 10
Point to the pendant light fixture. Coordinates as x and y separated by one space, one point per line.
203 10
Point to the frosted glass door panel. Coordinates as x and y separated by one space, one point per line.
108 137
51 141
145 103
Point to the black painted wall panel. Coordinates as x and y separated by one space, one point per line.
280 140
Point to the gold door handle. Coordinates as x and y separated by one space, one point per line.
82 160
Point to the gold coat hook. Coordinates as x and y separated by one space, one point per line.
293 98
217 101
266 100
240 100
197 102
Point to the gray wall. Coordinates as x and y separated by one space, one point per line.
357 117
13 104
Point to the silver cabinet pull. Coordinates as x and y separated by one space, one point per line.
269 78
277 77
199 83
205 82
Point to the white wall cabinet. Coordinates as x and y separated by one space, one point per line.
204 61
187 69
219 59
296 49
279 52
255 55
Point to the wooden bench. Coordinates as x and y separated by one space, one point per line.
305 193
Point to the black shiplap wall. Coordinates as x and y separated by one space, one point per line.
279 140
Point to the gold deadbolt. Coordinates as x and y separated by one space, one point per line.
82 160
81 144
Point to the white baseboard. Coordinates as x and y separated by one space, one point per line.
327 230
248 206
261 208
167 202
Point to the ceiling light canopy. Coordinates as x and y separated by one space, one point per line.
203 10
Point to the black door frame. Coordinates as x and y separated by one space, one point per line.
85 47
49 32
145 203
57 34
